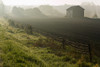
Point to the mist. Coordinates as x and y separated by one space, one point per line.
49 33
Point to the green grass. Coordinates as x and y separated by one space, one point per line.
17 55
14 54
18 49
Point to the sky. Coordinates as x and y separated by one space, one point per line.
45 2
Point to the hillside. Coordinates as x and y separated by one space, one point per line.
18 49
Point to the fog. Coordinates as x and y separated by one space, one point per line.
63 33
46 8
49 2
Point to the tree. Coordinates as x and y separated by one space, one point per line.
28 29
11 23
95 16
17 11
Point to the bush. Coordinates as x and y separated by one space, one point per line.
66 58
10 31
84 64
11 23
96 65
73 61
29 29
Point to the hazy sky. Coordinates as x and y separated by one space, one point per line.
51 2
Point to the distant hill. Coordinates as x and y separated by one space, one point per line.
50 11
35 12
27 13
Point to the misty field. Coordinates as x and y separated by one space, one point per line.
85 31
19 49
74 29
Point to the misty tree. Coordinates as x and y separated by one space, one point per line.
35 12
28 29
17 25
11 23
95 16
2 9
18 11
22 26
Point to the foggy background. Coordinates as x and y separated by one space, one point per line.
46 8
49 16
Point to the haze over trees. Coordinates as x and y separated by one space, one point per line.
51 11
18 11
2 9
29 13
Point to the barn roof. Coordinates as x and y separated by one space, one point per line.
74 7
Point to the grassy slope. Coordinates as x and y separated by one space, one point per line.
15 51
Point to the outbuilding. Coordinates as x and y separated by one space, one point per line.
75 12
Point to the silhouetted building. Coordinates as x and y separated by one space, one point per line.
75 12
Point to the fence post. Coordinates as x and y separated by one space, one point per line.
63 43
90 52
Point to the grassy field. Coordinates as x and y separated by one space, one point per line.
18 49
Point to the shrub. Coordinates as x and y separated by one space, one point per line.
96 65
10 31
11 23
73 61
29 29
66 58
84 64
